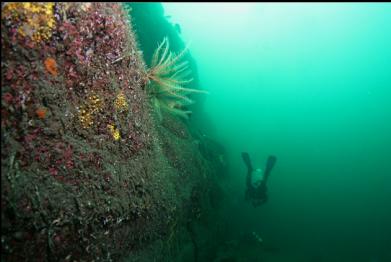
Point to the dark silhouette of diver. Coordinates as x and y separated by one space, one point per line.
257 194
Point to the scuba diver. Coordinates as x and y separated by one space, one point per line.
256 190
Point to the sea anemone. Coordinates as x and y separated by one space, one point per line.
120 102
114 132
85 117
41 112
94 104
51 66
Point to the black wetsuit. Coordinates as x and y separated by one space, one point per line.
257 194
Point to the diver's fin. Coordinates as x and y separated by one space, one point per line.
247 161
271 161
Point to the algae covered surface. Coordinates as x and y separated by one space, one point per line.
88 172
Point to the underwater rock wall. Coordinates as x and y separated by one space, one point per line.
86 175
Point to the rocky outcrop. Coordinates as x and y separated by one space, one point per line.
86 175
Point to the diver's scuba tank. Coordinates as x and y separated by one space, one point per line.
257 177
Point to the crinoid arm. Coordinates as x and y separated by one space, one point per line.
168 76
175 110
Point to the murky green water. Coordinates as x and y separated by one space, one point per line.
311 84
108 159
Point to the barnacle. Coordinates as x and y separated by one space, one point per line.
51 66
85 6
114 131
34 20
120 102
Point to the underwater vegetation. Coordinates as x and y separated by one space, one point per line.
167 77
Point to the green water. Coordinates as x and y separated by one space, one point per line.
311 84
